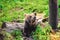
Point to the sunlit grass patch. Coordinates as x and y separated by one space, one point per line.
42 33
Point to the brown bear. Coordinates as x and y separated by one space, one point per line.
30 24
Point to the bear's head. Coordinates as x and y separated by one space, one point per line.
30 19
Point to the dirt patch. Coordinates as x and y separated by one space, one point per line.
55 36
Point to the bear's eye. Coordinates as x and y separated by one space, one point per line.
34 18
30 16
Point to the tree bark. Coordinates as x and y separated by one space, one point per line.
53 19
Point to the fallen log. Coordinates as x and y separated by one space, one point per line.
46 20
10 26
14 25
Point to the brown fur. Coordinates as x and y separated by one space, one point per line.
30 24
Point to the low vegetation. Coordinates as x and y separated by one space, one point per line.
14 10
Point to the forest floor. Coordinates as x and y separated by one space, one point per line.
55 36
52 36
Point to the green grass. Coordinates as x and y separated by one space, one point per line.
58 9
14 35
28 6
42 33
11 11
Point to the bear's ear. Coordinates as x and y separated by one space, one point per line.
25 14
35 14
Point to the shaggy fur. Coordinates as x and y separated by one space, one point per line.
30 24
